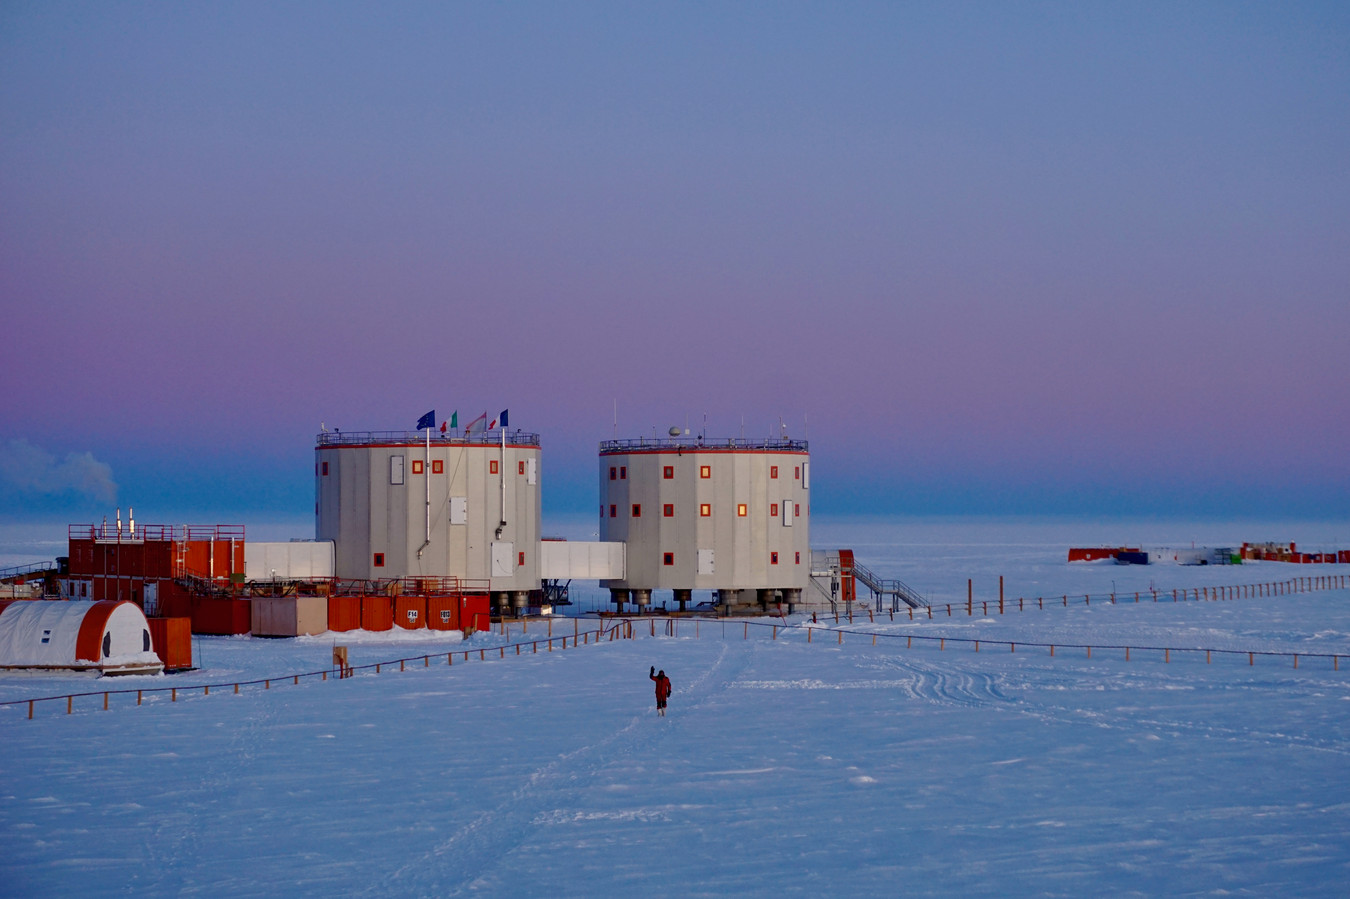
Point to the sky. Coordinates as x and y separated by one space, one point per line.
988 258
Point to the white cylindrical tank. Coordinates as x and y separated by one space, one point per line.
482 523
697 514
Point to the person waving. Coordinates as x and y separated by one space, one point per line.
662 689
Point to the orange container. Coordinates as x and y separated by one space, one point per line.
475 612
172 638
377 613
344 613
211 615
410 612
443 613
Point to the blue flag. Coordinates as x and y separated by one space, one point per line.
503 419
427 421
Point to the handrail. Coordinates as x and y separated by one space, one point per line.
698 443
410 438
31 568
887 586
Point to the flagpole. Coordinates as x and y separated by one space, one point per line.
503 467
426 477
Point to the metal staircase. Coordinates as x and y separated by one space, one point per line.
897 590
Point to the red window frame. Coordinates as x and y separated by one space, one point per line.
773 558
613 473
520 558
773 472
417 466
705 471
492 467
668 472
796 510
742 510
325 469
623 472
613 510
796 472
637 510
799 558
667 558
668 510
773 510
705 510
438 466
520 467
378 560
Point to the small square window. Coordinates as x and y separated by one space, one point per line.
520 558
741 510
705 471
667 558
325 469
492 467
773 509
613 511
705 510
668 510
520 467
773 472
668 472
379 560
623 472
438 466
613 473
773 558
417 466
637 510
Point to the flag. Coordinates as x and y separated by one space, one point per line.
454 419
480 422
499 421
443 424
503 419
427 421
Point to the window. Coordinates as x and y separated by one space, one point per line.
492 467
773 472
796 473
417 466
799 558
668 510
325 469
613 511
623 472
520 467
773 558
379 560
705 510
438 466
520 558
797 510
613 473
773 509
637 510
741 510
705 471
396 470
667 558
668 472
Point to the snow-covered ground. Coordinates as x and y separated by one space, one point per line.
784 766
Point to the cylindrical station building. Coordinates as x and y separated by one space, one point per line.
396 506
696 514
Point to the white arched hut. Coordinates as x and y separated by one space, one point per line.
107 637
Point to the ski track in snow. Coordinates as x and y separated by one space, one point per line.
477 846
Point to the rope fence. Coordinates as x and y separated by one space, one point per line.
627 628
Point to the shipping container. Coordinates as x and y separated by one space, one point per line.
223 617
344 613
289 616
410 612
377 613
172 639
443 613
475 613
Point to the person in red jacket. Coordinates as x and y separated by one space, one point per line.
662 689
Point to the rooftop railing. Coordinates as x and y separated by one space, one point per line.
375 438
126 534
786 444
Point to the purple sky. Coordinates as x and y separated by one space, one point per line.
1088 258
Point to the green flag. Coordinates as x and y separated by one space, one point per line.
454 419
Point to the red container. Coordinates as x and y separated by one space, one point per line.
172 638
377 613
225 617
443 613
344 613
475 613
410 612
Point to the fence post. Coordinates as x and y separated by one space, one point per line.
970 594
30 710
105 699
